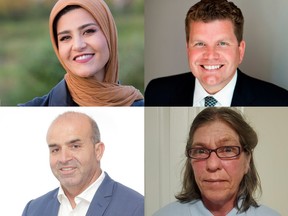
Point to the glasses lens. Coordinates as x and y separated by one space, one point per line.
222 152
198 153
228 151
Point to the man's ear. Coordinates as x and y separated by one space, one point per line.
242 47
99 150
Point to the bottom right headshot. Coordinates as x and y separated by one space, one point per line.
216 161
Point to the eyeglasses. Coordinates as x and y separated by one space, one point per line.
223 152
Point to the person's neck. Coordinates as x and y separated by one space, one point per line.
213 90
71 193
219 209
74 191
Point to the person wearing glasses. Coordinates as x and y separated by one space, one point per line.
220 177
75 153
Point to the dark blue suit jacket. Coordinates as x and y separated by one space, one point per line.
60 96
178 90
111 199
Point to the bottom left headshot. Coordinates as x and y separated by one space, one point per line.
72 161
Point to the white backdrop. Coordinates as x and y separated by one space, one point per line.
25 172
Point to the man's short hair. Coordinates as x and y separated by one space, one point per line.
210 10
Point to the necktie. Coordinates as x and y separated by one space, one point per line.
210 101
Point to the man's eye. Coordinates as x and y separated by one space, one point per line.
75 146
54 150
199 44
222 43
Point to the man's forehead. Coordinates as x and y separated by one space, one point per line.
71 116
69 124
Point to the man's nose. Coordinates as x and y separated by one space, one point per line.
211 52
65 156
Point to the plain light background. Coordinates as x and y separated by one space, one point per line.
166 133
26 173
265 33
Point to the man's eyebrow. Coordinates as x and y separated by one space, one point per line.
73 141
79 28
52 145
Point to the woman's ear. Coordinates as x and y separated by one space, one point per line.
247 163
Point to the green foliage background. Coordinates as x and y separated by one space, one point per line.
28 64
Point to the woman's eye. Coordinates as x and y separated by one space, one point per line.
227 149
90 31
199 151
64 38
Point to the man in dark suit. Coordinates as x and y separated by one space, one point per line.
215 49
75 153
178 90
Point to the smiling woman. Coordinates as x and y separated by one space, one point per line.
84 37
82 45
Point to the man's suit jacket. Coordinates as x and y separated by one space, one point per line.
111 199
178 90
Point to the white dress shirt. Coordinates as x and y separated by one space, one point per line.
223 97
82 201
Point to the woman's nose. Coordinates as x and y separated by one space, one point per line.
213 163
78 43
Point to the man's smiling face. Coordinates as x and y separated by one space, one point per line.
214 53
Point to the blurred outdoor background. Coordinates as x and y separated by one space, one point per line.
28 64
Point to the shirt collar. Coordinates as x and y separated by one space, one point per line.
86 195
224 96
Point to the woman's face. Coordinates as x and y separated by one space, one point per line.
218 179
82 45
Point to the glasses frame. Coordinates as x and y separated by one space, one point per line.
214 150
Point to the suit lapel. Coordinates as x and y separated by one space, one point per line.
242 95
52 206
102 198
184 91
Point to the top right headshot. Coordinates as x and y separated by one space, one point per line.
228 63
